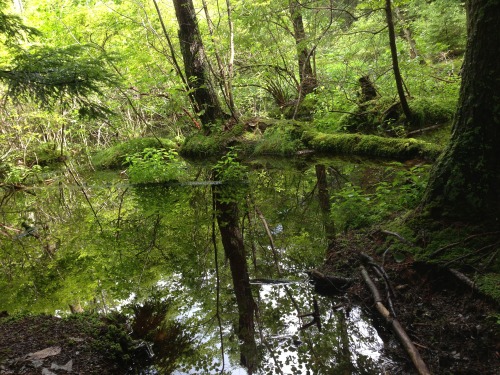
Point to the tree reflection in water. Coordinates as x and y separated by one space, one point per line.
228 219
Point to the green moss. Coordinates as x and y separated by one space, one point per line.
371 145
384 117
199 144
114 156
281 139
431 112
46 154
489 284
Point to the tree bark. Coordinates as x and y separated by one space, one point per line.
195 64
407 34
227 214
395 63
308 81
324 204
465 182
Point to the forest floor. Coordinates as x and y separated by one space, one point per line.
455 328
48 345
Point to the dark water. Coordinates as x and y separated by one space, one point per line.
98 241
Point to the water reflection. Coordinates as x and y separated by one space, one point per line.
133 240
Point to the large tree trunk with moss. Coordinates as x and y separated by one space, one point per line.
195 64
308 81
465 182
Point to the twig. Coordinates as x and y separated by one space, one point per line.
399 237
271 241
471 254
424 129
396 326
440 250
84 194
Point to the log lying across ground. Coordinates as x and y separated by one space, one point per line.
395 325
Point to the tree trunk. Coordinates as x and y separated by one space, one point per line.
308 81
407 34
324 204
465 181
232 239
395 63
195 64
224 76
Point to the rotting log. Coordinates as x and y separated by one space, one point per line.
405 340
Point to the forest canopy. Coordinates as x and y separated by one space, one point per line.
262 59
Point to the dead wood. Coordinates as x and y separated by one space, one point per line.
399 237
464 279
423 130
334 284
395 325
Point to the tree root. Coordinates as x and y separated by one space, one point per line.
395 325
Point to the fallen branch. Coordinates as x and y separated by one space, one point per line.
337 283
396 326
460 276
380 271
424 129
399 237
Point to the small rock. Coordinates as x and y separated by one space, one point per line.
67 367
47 372
47 352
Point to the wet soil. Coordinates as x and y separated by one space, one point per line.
48 345
454 328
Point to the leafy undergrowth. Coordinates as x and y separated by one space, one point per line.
455 327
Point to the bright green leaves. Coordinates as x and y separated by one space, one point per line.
229 169
155 166
354 207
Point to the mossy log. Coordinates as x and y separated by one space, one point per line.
371 145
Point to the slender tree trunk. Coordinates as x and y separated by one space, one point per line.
407 34
324 204
195 64
308 81
465 181
230 67
232 239
395 63
224 75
